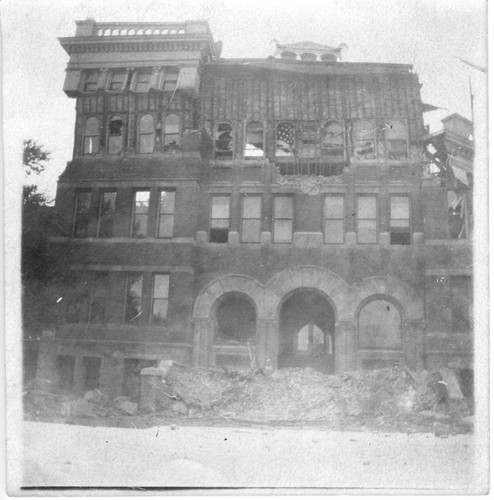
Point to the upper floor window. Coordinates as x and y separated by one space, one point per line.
133 301
283 219
118 80
170 79
106 215
171 132
399 220
91 136
396 140
333 140
159 306
308 57
99 304
141 213
285 139
456 214
364 139
366 219
78 298
82 213
146 134
224 142
334 219
166 214
115 140
309 142
254 140
220 219
91 81
142 81
251 219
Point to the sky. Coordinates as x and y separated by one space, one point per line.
429 34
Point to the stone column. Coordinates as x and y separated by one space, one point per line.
270 327
263 328
47 368
111 377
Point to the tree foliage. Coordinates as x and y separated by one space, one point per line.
35 157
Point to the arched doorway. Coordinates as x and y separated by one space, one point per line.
235 319
306 337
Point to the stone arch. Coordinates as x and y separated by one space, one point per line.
323 280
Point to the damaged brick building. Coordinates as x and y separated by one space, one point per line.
248 212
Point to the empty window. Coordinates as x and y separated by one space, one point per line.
333 142
106 215
166 214
366 219
328 57
379 326
334 211
91 82
224 142
142 81
456 214
65 368
220 219
91 136
399 220
285 139
141 212
159 307
461 303
92 367
309 142
171 132
283 219
170 80
308 57
118 79
82 214
146 135
133 302
396 140
236 319
100 293
251 219
254 140
115 135
77 298
364 139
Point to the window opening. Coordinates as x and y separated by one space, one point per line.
251 219
379 326
220 219
142 82
171 132
160 299
91 83
254 140
77 298
224 142
166 214
92 368
82 214
288 55
118 80
99 296
133 303
141 212
366 219
106 217
283 219
456 214
146 135
309 142
399 223
308 57
285 140
364 139
312 341
235 319
333 143
334 219
91 136
115 135
170 80
396 140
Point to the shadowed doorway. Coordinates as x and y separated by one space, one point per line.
307 331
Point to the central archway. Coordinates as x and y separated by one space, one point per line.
306 331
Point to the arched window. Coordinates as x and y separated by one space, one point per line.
288 55
115 141
146 135
309 142
364 139
91 136
328 57
236 319
223 145
308 57
333 141
254 140
285 139
379 326
396 140
171 133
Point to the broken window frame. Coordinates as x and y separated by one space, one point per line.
224 142
140 213
146 134
143 80
77 298
106 217
392 151
457 214
364 133
248 152
160 298
363 219
100 296
133 303
90 83
290 151
332 218
282 218
219 227
399 227
332 150
171 132
82 213
309 141
115 135
166 212
90 143
251 224
118 79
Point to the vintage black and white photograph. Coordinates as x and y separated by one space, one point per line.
246 246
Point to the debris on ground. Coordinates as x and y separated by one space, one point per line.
392 398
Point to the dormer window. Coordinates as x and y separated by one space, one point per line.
328 57
308 57
117 81
91 81
142 81
224 142
289 55
254 140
